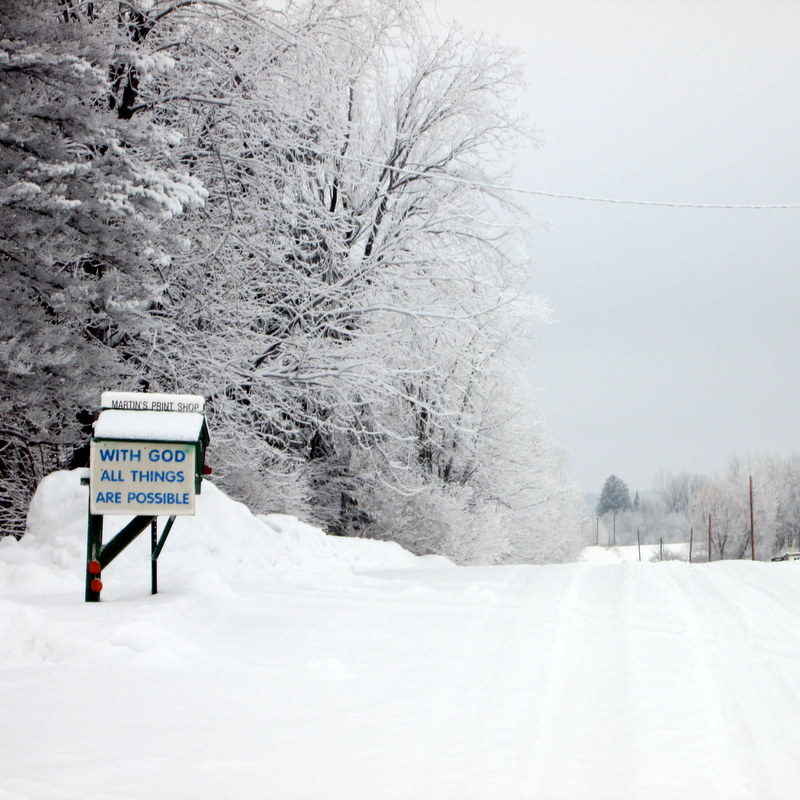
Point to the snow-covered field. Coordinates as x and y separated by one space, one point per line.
280 664
647 552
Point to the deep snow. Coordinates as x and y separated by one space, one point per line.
280 663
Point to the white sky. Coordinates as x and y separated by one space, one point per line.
677 331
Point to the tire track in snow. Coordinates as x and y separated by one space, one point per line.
581 733
486 690
780 596
761 749
773 655
636 671
674 696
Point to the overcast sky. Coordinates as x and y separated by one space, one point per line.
677 331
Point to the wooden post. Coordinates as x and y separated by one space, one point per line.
709 537
752 525
660 548
639 544
691 537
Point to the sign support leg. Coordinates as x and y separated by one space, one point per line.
94 544
153 560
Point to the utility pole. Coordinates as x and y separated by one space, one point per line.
709 537
752 525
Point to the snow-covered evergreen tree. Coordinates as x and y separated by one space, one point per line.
614 497
84 196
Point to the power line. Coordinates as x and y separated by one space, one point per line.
564 196
657 203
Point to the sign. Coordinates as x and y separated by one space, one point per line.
140 401
141 478
146 459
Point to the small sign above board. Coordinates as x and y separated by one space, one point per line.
139 401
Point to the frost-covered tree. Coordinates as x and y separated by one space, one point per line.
786 484
677 492
350 298
727 501
724 504
345 298
84 196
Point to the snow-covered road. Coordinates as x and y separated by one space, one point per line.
383 676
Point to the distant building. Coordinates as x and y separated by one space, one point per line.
789 556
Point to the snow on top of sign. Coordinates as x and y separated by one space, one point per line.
149 426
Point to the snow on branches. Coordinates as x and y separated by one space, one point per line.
346 287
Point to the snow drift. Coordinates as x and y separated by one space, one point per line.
212 554
223 536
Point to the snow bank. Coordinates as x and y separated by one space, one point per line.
218 554
223 540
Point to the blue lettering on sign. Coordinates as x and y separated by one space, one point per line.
112 475
160 498
120 454
157 476
109 497
167 455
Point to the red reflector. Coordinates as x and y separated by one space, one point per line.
94 567
206 469
96 585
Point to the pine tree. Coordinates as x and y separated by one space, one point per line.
614 497
85 198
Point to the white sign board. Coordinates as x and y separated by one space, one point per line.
128 477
